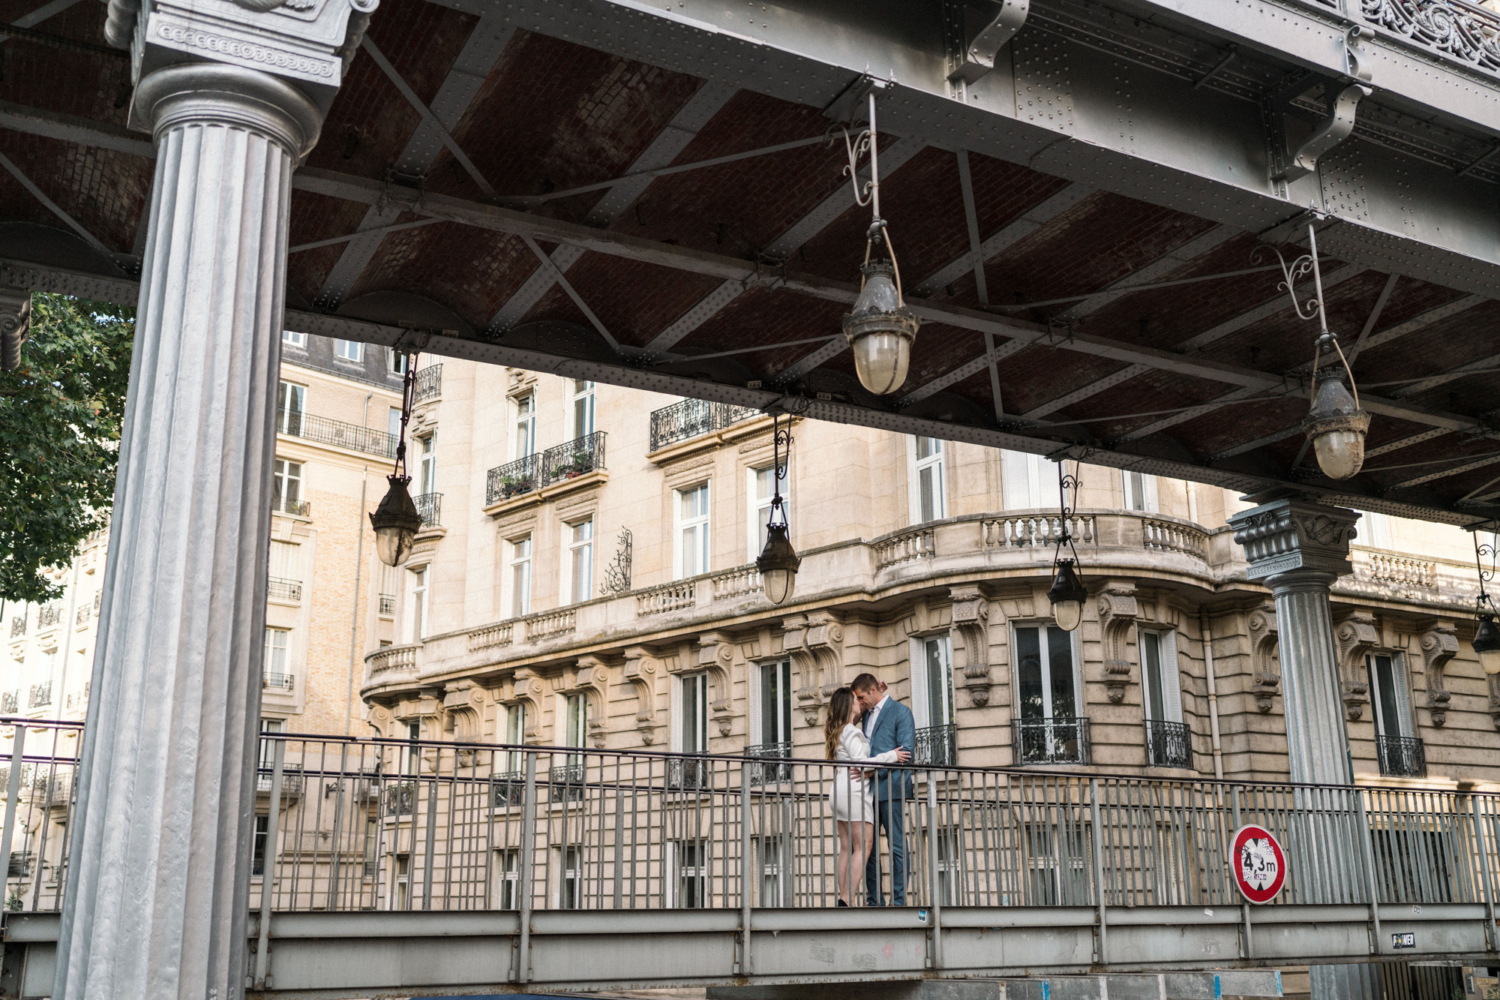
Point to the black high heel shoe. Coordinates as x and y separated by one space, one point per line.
842 903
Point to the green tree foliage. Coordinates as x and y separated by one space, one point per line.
60 416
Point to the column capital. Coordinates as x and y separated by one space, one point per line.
1286 535
308 44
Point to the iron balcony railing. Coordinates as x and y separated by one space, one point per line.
937 746
625 828
49 615
1168 744
692 417
297 508
1401 756
771 766
1050 741
273 679
41 695
568 460
387 605
10 702
338 433
17 625
429 383
430 507
283 590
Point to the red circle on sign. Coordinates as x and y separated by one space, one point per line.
1257 863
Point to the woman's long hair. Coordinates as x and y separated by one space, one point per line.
840 713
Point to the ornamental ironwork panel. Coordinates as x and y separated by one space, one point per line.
1050 741
297 508
41 694
1455 28
692 417
688 774
768 768
1168 744
283 590
1402 756
617 573
430 507
937 746
429 383
49 615
400 799
338 433
10 703
574 458
513 479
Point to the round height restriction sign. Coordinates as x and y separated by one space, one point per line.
1258 864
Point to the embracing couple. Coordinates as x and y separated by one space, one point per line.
866 726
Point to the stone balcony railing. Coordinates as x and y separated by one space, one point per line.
1016 544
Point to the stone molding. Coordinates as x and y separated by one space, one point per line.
815 642
971 620
590 678
528 690
1356 635
1118 612
716 656
1439 645
1265 675
641 671
1287 535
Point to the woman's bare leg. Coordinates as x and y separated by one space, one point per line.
841 863
863 835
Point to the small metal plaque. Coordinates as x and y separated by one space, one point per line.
1407 940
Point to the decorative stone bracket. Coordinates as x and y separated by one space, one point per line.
1355 636
592 681
1493 680
641 670
816 645
1439 645
528 690
971 620
1265 679
715 655
1117 614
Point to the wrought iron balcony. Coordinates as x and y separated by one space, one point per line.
1402 756
688 774
10 703
937 746
400 799
297 508
430 506
271 679
429 383
568 460
772 771
283 590
17 626
1050 741
508 789
338 433
1168 744
49 616
387 605
692 417
41 695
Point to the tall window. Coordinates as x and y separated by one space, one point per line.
570 888
520 576
515 735
268 747
286 570
274 663
1374 530
691 556
429 464
1140 491
525 426
417 602
1047 731
693 728
507 877
575 726
581 561
293 339
393 423
290 405
1388 695
1028 482
258 851
927 484
774 888
583 407
1163 691
397 361
390 581
932 684
692 874
773 722
349 350
762 488
413 761
401 884
286 479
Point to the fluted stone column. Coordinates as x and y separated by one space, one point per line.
234 95
1298 549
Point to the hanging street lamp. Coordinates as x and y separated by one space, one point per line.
1487 636
1335 424
395 520
778 561
1067 593
880 328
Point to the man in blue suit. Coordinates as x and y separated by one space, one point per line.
888 724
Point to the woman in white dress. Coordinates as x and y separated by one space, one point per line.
853 796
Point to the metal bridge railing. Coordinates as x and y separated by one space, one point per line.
386 824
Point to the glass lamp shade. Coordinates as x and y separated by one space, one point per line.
1067 596
778 564
1337 430
396 522
880 331
1487 645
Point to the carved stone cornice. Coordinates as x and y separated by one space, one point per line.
1356 636
1287 535
641 670
1265 677
1118 611
971 620
1439 645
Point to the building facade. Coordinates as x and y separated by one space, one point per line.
582 595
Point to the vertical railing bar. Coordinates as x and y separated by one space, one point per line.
269 867
430 842
935 899
12 797
338 825
1103 951
522 969
1368 851
746 899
